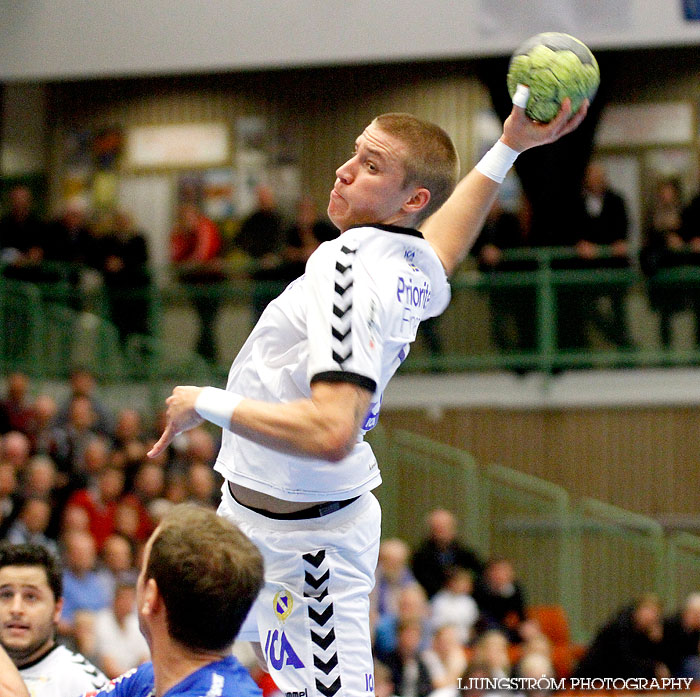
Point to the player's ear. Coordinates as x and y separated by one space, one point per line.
418 200
151 597
57 610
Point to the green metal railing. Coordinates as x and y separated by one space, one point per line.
164 351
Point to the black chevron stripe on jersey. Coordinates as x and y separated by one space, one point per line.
341 323
319 607
314 582
321 618
328 666
329 690
318 598
315 559
323 641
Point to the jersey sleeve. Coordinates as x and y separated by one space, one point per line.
344 317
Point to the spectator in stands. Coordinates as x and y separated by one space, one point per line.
82 587
30 604
40 478
82 383
512 309
261 237
100 500
681 640
409 673
412 607
303 237
16 410
32 524
601 221
21 235
663 248
392 576
629 646
70 442
119 645
123 259
203 485
446 659
129 443
45 411
10 499
15 449
535 666
453 604
196 247
441 550
491 651
383 684
501 601
117 560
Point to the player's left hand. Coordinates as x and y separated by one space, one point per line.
522 133
180 416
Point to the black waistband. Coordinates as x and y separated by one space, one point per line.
316 511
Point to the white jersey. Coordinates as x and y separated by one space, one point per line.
61 673
349 318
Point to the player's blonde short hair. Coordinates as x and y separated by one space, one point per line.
432 160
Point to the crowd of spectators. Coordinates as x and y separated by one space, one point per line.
440 613
74 478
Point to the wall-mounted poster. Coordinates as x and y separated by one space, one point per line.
178 145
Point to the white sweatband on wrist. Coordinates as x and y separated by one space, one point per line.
217 405
521 96
497 161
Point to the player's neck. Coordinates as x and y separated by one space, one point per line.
172 663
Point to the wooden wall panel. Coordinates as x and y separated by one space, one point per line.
646 460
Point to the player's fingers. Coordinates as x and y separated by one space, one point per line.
521 96
163 442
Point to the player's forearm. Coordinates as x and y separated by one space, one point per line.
453 229
11 683
301 427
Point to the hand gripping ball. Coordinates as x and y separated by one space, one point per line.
554 66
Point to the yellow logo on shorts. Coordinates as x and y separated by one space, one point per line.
283 604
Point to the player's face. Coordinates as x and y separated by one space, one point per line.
369 187
28 612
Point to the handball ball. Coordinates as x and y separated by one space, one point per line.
554 66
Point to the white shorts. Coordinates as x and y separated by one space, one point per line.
312 615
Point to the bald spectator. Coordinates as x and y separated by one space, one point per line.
681 640
392 576
15 449
440 551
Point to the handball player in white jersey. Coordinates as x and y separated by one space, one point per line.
307 385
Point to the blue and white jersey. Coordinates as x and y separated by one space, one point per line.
350 318
225 678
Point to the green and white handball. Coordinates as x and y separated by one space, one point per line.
554 66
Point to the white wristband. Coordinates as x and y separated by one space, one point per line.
217 405
497 161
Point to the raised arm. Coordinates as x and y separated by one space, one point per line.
452 229
325 425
